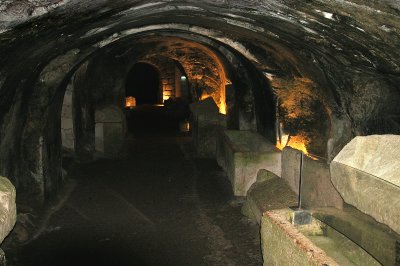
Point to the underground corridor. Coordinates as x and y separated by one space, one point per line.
199 132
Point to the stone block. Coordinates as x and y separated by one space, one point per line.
205 130
205 107
242 154
367 175
317 187
8 208
284 243
110 130
109 114
109 138
291 167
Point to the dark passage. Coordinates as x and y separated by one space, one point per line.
146 119
155 206
143 83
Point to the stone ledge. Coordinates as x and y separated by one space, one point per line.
283 244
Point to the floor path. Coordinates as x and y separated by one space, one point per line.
156 205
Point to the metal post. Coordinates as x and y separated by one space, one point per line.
299 216
301 178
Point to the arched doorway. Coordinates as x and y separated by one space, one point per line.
143 83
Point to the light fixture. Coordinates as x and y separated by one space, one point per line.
130 102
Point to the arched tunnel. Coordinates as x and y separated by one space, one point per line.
123 125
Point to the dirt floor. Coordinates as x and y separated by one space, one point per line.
156 205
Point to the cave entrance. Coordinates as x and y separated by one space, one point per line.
143 83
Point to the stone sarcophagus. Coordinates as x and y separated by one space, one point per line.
242 153
110 131
206 122
367 175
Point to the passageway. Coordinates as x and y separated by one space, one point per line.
94 95
155 206
143 83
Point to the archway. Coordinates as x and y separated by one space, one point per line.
143 83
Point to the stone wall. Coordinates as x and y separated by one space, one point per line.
67 120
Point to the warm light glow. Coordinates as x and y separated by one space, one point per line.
204 96
222 107
130 102
185 126
280 144
295 142
166 97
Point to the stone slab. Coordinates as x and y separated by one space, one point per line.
109 114
242 154
205 128
366 174
206 106
110 130
109 138
377 155
317 187
8 208
291 167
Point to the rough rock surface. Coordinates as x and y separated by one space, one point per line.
366 174
8 209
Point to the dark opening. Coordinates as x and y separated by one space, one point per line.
143 83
